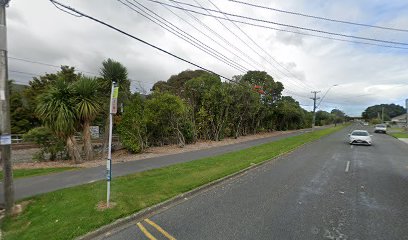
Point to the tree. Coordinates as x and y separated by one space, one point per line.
390 111
288 114
216 105
56 108
87 106
132 127
323 118
176 83
166 118
264 84
244 106
112 71
22 119
338 115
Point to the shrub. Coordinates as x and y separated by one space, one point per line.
48 142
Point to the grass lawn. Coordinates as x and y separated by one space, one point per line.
399 135
72 212
20 173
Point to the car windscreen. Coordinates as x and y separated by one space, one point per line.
359 133
381 125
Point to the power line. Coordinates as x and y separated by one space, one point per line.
222 38
138 39
167 25
229 44
288 25
321 18
286 30
245 43
209 37
256 44
48 64
59 67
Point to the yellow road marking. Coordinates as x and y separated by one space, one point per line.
143 229
166 234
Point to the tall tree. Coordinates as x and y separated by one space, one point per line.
112 71
56 109
390 111
87 106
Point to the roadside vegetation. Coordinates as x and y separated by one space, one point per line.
72 212
22 173
190 106
399 134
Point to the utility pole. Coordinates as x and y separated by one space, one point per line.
5 129
406 114
382 115
112 111
314 107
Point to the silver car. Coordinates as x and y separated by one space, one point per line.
360 137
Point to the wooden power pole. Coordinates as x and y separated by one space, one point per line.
5 129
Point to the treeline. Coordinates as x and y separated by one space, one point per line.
377 113
190 106
196 105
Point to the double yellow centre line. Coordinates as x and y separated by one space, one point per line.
158 228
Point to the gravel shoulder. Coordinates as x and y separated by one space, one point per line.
22 158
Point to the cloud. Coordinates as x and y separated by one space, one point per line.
40 32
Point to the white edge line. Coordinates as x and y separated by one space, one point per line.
347 166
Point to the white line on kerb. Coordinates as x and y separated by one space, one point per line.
347 166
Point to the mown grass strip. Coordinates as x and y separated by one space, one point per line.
21 173
399 134
72 212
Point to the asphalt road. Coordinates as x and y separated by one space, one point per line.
324 190
26 187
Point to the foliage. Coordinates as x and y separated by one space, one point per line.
165 116
48 142
87 106
132 127
114 71
176 83
390 111
72 212
21 118
288 114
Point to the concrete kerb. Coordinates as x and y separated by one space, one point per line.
405 140
145 213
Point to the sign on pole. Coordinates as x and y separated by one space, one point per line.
113 110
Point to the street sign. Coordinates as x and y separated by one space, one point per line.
5 139
114 100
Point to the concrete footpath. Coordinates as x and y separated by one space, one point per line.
26 187
405 140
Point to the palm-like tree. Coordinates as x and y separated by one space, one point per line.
87 107
57 110
113 71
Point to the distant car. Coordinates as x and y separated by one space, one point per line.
365 123
360 137
380 128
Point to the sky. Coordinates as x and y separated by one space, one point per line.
350 76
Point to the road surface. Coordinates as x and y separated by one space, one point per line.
26 187
324 190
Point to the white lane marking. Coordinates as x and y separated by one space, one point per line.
347 166
351 146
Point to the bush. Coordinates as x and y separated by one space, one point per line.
48 143
132 128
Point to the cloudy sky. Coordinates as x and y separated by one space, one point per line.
365 74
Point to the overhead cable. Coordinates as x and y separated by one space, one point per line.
322 18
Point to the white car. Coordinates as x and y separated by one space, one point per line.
360 137
380 128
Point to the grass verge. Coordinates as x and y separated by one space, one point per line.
399 134
21 173
72 212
